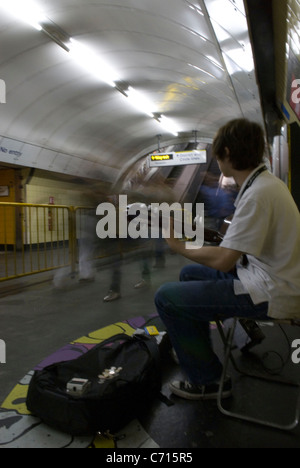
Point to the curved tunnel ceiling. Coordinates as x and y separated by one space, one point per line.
191 60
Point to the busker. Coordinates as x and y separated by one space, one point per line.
254 272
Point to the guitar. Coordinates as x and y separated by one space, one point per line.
213 237
210 236
216 237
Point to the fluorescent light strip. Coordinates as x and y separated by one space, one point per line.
140 102
26 11
168 125
98 68
92 62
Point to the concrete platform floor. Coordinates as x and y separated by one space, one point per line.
39 316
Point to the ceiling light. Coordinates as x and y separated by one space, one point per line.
92 63
168 125
140 102
26 11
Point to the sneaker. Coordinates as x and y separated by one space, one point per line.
112 296
200 392
143 284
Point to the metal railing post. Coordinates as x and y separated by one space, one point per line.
72 240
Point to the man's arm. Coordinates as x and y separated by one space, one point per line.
219 258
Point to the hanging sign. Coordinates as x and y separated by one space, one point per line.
178 159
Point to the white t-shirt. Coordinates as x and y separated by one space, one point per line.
266 227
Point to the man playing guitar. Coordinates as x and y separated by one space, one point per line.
253 273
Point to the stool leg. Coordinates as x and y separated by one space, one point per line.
228 356
228 341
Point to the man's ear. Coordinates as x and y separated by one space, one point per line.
227 152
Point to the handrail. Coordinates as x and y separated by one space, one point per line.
36 238
34 205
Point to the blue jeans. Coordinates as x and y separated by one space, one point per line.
188 307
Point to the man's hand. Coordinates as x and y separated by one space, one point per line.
174 242
219 258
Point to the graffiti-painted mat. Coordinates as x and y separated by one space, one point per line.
19 429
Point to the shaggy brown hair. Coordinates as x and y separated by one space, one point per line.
245 141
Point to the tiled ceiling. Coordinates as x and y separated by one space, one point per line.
189 61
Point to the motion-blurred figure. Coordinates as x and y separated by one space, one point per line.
87 246
144 193
218 196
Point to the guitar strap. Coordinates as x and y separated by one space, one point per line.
253 178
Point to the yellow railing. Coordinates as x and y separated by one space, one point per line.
36 238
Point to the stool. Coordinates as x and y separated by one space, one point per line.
228 345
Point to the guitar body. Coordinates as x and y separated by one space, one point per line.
216 237
210 236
